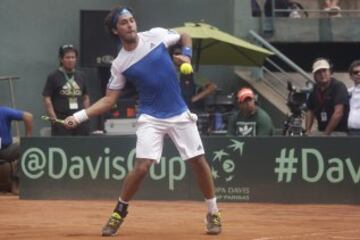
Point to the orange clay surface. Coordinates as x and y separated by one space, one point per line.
39 219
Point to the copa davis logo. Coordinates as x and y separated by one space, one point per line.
223 170
224 161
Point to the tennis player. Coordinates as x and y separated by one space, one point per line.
144 60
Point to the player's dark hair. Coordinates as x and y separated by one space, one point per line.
353 65
112 17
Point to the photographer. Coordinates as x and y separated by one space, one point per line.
328 102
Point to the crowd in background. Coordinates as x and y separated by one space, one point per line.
295 9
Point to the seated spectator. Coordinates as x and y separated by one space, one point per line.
297 10
255 9
332 8
10 151
354 93
328 102
194 91
279 5
250 119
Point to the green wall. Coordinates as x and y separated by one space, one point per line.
31 33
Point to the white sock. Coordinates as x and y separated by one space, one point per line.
212 206
122 201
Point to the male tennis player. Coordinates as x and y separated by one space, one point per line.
144 60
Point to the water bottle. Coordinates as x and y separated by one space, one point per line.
218 121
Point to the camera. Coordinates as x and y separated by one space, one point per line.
296 101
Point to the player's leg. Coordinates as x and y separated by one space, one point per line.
149 147
186 138
203 175
134 178
130 186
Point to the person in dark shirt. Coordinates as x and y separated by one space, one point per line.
328 102
66 92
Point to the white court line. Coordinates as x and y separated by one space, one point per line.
341 237
301 236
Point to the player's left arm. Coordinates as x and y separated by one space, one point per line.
186 49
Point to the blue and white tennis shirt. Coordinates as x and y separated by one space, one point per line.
150 68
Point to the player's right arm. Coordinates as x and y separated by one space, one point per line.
116 83
104 104
101 106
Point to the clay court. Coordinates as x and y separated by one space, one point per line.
39 219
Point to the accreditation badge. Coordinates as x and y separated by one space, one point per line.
323 116
73 104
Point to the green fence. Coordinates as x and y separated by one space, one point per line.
268 169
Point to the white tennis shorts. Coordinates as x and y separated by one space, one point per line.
182 130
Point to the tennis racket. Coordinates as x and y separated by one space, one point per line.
46 118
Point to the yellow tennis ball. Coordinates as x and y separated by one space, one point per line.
186 68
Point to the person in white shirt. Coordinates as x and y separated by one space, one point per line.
354 93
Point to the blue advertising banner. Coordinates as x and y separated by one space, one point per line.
254 169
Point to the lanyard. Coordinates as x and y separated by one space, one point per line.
70 81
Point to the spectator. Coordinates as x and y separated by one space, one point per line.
279 5
250 119
10 151
297 10
66 92
255 9
328 102
332 8
193 94
354 92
